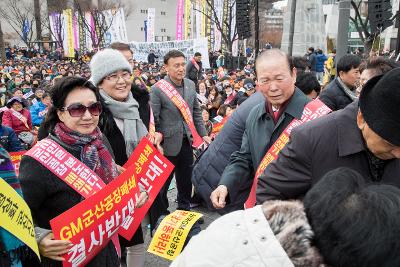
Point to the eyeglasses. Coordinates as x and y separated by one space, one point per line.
115 77
78 110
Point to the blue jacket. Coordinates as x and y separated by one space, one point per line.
9 140
321 58
36 115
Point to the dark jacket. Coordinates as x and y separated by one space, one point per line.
47 196
208 170
260 134
151 58
116 139
169 120
9 140
314 149
192 73
334 96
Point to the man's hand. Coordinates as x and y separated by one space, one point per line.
157 142
53 249
207 139
218 197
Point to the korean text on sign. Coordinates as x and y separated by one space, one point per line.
170 236
92 223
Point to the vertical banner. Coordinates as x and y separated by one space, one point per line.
179 20
75 30
210 27
145 30
69 43
188 6
219 8
199 18
151 14
203 18
225 17
235 45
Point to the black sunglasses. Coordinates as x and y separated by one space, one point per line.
78 110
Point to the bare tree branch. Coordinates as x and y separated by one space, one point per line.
228 37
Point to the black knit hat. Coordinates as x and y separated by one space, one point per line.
380 105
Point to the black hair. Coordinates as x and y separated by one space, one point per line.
379 65
173 54
307 82
348 62
197 54
59 92
355 223
300 63
311 49
45 94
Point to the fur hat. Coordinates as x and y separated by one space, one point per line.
289 223
106 62
379 104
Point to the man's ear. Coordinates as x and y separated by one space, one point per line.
360 120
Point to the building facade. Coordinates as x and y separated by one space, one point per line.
164 22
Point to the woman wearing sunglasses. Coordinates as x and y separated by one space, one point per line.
72 123
121 123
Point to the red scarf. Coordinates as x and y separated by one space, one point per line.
94 154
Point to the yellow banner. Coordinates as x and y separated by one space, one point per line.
15 216
188 6
203 18
69 51
171 234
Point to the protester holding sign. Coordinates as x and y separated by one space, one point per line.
74 142
122 125
178 117
284 102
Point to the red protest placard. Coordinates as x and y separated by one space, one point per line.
152 170
16 159
91 224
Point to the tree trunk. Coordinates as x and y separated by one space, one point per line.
2 46
38 21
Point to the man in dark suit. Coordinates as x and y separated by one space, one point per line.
178 138
194 68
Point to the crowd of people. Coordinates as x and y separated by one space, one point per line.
329 198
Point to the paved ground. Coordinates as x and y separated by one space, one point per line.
155 261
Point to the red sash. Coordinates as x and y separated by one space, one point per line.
169 90
312 110
195 64
21 117
70 170
218 126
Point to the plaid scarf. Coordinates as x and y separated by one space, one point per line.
94 154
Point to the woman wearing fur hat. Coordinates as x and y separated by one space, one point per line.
122 125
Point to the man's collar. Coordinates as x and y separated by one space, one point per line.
350 138
295 106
